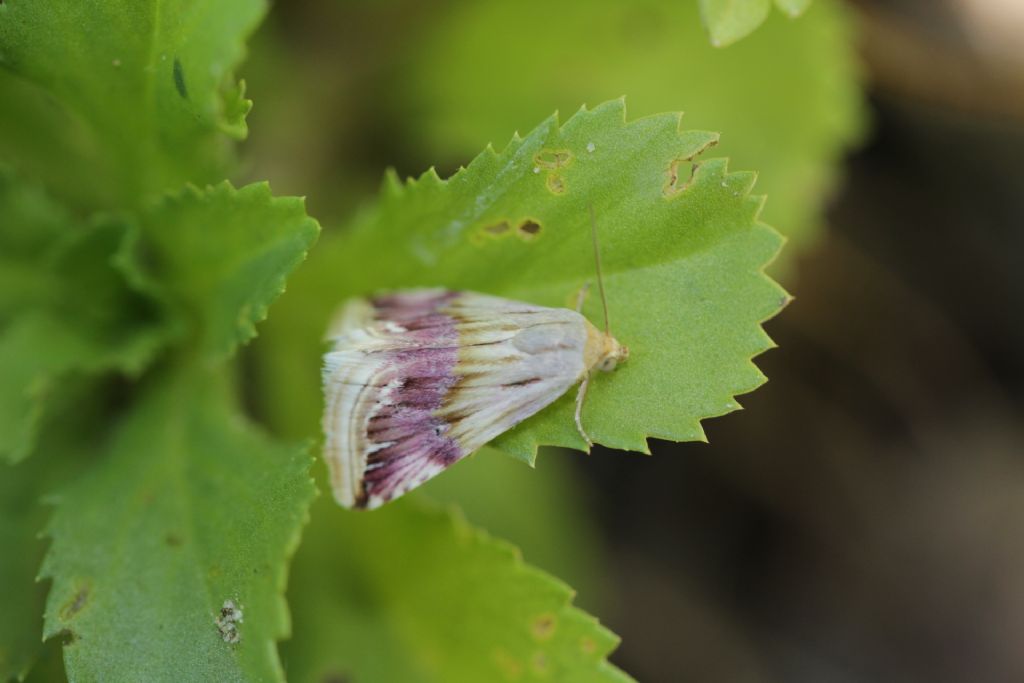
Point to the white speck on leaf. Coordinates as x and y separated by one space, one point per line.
228 620
116 62
536 169
591 147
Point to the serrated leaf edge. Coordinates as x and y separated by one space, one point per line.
394 188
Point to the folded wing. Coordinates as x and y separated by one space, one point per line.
419 379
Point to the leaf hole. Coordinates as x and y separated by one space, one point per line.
700 150
529 229
672 184
552 159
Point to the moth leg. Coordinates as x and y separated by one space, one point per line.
581 296
580 395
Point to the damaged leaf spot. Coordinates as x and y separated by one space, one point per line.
552 159
498 229
228 620
588 645
672 185
75 605
528 229
510 667
332 677
703 148
543 627
179 79
556 184
172 539
539 663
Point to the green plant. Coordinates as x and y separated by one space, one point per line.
129 281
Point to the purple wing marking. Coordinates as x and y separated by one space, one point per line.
405 440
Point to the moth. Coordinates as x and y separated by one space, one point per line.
418 379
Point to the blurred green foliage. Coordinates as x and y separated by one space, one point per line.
456 604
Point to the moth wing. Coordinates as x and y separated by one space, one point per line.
433 375
515 360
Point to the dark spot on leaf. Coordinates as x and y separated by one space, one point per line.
172 539
529 229
543 626
498 228
588 645
179 79
75 605
333 677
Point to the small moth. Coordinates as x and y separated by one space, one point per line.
418 379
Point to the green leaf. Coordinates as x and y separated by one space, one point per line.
69 309
682 256
21 519
427 598
555 531
786 100
188 509
221 256
145 92
793 8
32 225
71 427
729 20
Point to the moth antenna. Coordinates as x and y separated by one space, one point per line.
597 266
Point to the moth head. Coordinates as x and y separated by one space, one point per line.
612 354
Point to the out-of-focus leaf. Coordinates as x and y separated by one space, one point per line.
67 442
22 517
221 256
69 308
786 100
793 8
414 594
555 531
31 227
729 20
189 509
110 102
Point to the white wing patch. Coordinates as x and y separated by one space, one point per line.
421 378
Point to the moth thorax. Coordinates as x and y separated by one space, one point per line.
602 351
